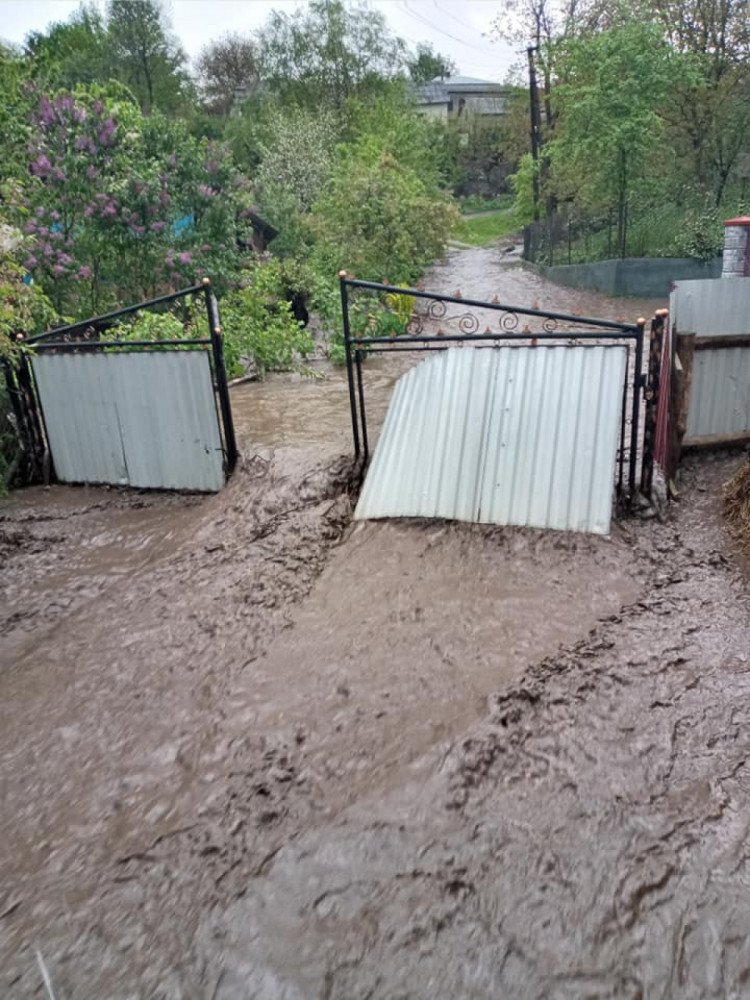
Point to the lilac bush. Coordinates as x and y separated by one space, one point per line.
120 207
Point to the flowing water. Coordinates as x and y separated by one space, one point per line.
250 750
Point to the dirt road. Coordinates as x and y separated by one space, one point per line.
249 750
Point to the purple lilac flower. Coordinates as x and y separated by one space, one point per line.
42 231
41 166
185 258
206 192
82 142
164 198
173 160
40 211
84 272
109 210
138 230
46 113
30 226
64 258
205 248
212 167
47 249
58 174
88 211
58 270
54 215
92 173
30 262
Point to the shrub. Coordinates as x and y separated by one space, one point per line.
378 219
260 329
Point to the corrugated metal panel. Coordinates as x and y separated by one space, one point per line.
720 393
523 435
711 307
137 419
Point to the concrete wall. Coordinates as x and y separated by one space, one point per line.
646 277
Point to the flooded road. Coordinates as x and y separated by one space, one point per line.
250 750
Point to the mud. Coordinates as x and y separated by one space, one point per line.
250 750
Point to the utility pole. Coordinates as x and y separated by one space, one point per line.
536 125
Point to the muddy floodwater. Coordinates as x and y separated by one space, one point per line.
249 749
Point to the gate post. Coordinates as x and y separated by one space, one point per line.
637 388
652 402
222 388
349 366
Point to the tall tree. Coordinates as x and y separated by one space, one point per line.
146 57
619 82
328 52
712 109
73 51
225 67
427 64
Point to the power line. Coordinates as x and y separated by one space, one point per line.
404 6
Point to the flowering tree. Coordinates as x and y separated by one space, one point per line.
119 206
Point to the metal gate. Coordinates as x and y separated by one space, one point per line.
440 322
130 413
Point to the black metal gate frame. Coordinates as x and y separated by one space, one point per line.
357 347
85 336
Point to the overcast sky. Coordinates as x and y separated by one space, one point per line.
454 27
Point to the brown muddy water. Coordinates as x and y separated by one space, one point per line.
249 750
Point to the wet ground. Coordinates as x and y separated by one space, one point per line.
250 750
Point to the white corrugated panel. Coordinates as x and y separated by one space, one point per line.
720 392
135 419
711 307
524 435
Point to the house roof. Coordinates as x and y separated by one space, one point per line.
438 91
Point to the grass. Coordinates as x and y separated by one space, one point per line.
485 228
475 203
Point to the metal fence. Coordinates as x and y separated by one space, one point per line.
711 324
145 413
431 327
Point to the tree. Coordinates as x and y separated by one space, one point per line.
146 58
328 52
427 64
72 52
224 67
712 109
618 84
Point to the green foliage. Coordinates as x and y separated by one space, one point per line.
72 52
377 218
145 56
151 326
478 203
328 52
113 214
701 237
523 186
427 64
259 326
24 309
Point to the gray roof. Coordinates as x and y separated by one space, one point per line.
438 91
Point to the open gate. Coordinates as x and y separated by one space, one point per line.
558 411
149 414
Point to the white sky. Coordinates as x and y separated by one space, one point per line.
454 27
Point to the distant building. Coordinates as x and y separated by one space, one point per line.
456 96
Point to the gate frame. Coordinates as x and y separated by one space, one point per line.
84 336
356 347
